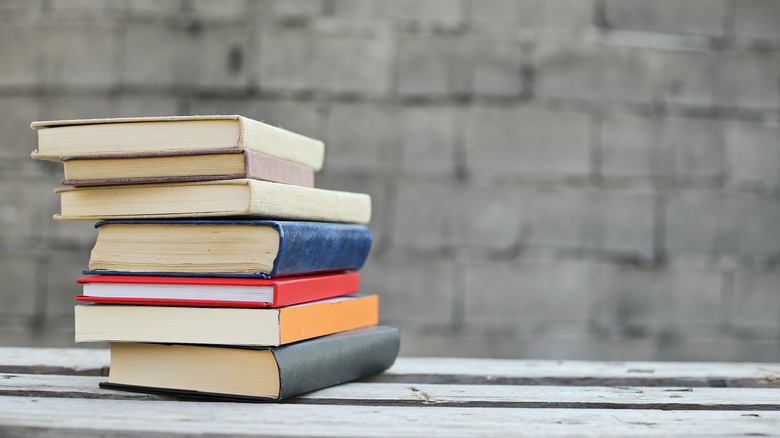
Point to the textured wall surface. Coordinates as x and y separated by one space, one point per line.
595 179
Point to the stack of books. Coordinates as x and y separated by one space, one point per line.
219 269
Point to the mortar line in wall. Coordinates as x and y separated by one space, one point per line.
728 291
659 227
730 19
596 148
458 316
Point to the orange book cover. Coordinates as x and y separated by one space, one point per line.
224 325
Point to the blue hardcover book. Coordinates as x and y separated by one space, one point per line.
227 248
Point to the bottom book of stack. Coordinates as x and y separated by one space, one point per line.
252 373
235 338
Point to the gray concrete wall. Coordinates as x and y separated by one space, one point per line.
591 179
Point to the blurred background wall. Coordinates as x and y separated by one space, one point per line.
582 179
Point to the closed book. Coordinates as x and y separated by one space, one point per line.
259 374
160 134
223 325
262 249
215 291
224 198
182 166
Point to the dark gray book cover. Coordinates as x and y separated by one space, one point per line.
312 364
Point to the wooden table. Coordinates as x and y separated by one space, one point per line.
54 392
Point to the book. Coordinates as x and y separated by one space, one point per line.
159 134
256 374
224 198
250 248
181 166
223 325
215 291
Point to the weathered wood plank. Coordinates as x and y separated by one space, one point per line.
440 395
39 417
90 361
588 373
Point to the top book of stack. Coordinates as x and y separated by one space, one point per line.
235 194
57 139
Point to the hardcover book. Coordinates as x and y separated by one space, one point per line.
224 325
252 374
215 291
182 166
225 198
160 134
262 249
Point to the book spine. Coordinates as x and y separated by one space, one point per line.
267 168
330 360
280 143
148 180
300 291
307 247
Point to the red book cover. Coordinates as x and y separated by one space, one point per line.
215 291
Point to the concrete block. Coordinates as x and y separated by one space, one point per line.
528 293
21 11
526 142
696 17
601 220
720 224
431 215
757 19
416 290
438 65
305 118
87 10
63 269
18 139
223 11
496 64
594 72
23 55
287 9
630 148
661 147
426 140
754 155
364 138
588 346
425 215
225 57
443 13
718 349
65 107
304 61
83 55
426 65
355 9
757 225
147 62
563 14
701 222
727 79
18 290
538 15
492 12
670 301
155 9
494 217
25 207
449 344
756 302
59 337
